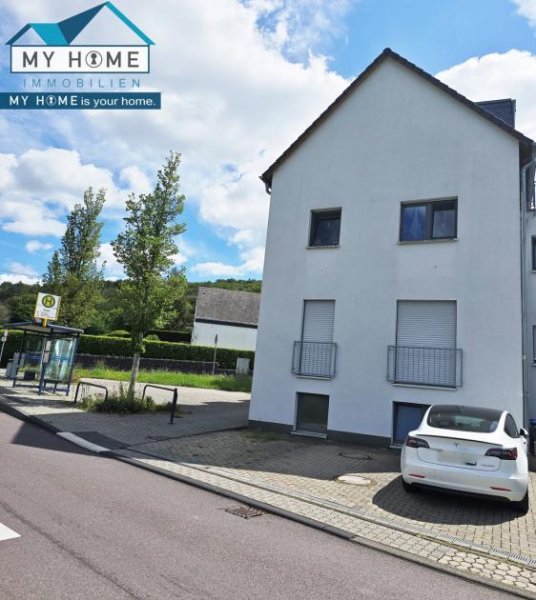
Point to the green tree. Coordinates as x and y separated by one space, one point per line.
145 248
4 313
72 271
18 300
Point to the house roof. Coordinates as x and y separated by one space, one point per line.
493 111
230 306
502 109
64 32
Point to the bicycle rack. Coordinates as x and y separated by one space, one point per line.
102 387
175 397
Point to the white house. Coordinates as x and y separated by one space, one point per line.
397 263
229 314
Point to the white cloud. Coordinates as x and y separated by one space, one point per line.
33 246
299 27
17 272
215 270
136 180
39 187
179 259
251 266
232 102
112 269
527 9
508 75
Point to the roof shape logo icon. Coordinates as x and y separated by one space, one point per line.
66 31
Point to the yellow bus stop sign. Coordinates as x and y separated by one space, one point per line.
47 307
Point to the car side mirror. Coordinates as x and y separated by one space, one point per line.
523 432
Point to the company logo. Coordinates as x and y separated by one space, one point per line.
76 45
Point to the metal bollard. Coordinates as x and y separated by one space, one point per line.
173 406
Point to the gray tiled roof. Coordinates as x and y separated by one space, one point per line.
217 304
505 110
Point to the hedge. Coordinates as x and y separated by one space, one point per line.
109 346
12 346
172 336
100 345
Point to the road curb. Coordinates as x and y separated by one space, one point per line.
280 512
17 414
268 508
341 533
79 441
415 558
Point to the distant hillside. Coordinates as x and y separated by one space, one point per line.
17 302
241 285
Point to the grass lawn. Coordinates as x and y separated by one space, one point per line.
230 383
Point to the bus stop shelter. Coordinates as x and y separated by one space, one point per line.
46 356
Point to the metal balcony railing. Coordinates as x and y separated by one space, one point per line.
314 359
417 365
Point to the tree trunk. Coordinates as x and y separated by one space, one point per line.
134 374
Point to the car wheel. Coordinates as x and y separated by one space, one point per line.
408 487
523 505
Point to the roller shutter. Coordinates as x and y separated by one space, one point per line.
426 324
426 343
318 320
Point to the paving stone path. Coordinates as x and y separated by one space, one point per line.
210 444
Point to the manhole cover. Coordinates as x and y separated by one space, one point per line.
246 512
356 455
354 479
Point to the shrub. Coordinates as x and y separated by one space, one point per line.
122 404
120 333
152 337
109 346
173 336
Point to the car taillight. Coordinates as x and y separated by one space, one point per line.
415 442
503 453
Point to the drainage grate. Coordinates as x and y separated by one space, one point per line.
246 512
356 455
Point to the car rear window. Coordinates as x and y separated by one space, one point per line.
464 418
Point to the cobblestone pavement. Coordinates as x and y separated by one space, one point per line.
200 411
485 541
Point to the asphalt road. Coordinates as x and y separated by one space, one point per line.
95 528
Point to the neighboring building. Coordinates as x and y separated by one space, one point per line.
393 273
231 315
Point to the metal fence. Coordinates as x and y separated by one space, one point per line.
424 366
314 359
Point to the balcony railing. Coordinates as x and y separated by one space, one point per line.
416 365
314 359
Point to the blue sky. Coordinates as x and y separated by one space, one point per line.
240 80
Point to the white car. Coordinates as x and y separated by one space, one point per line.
468 450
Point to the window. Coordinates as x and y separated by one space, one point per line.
464 418
312 413
314 355
435 220
425 351
534 253
510 427
406 417
325 227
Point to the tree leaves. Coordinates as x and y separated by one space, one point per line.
72 271
150 293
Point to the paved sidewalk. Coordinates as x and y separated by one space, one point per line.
298 477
